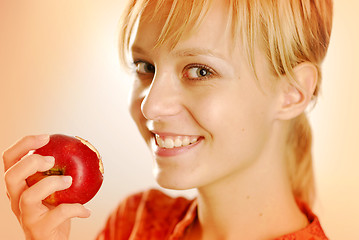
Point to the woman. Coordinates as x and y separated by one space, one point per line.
220 92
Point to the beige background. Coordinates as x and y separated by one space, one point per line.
59 73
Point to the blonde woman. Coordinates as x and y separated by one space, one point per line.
219 94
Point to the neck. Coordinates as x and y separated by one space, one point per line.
256 204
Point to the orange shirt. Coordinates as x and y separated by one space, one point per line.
152 215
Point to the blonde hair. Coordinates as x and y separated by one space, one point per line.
289 32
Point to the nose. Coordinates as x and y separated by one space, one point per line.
162 99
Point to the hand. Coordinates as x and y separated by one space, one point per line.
37 220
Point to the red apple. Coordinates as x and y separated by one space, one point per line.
77 158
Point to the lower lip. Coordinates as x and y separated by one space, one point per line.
170 152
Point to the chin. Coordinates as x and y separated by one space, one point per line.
174 181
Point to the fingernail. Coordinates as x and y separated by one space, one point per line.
50 159
43 137
88 210
67 179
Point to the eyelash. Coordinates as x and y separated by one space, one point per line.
210 71
136 65
185 74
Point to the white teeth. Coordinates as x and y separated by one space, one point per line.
178 142
169 143
185 141
160 141
172 142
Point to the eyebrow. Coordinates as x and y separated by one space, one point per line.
193 52
188 52
138 49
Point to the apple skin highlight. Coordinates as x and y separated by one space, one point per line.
74 157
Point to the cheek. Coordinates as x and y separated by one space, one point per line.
234 121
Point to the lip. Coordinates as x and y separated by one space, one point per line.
170 152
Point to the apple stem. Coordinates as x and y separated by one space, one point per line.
53 172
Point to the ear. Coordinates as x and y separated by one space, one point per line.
295 97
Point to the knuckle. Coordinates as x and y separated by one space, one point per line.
49 184
26 199
63 209
32 160
9 178
4 155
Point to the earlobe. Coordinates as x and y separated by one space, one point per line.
296 96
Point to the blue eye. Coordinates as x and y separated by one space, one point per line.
144 67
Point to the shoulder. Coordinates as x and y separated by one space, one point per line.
150 212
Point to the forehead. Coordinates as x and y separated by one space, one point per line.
177 25
212 35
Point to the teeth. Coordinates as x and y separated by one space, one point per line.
186 141
172 142
169 143
178 142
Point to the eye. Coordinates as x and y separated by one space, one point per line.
198 72
143 67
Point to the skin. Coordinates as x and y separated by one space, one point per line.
37 220
239 165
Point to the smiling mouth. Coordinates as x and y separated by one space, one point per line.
170 142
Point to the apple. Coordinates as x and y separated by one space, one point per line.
74 157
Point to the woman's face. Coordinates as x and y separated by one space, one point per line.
199 106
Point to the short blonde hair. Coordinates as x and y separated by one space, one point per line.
289 32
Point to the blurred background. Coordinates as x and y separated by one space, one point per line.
59 73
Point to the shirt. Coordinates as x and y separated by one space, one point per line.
153 215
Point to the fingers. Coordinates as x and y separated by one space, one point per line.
42 222
31 199
35 218
15 176
54 224
22 147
